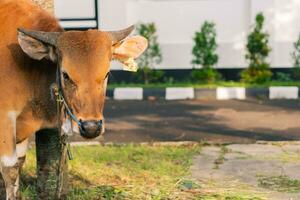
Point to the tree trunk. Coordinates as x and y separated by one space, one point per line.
52 169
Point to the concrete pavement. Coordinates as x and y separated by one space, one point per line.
269 170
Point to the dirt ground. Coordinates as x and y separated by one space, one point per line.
217 121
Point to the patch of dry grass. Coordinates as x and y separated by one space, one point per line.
138 172
124 172
280 183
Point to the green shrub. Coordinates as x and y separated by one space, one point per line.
151 57
296 59
296 73
207 75
257 52
204 54
148 75
283 77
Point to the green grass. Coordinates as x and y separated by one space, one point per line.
123 172
213 85
228 197
279 183
228 190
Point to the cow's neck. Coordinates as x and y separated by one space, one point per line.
44 74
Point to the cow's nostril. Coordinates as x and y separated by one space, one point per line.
91 128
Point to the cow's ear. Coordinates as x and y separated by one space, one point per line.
128 50
35 48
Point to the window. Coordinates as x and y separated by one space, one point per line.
77 14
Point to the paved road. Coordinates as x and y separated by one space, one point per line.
217 121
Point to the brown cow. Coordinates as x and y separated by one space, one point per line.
83 62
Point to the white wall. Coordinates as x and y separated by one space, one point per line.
177 20
283 17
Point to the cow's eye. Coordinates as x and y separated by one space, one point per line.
67 79
66 76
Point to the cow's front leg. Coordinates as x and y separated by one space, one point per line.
10 152
11 172
2 186
10 175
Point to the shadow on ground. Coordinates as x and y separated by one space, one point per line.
218 121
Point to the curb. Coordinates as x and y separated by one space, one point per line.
220 93
128 93
284 92
176 143
179 93
226 93
154 144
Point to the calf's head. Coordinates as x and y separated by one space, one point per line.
84 60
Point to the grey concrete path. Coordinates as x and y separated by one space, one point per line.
267 170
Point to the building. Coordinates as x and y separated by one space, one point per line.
177 20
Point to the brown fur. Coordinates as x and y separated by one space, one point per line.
81 52
86 58
26 105
24 82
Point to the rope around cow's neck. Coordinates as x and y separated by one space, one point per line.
61 96
63 138
61 104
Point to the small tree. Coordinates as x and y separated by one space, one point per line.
296 59
204 54
257 52
151 57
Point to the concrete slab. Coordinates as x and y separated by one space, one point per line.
256 150
283 92
226 93
128 93
206 161
244 164
180 93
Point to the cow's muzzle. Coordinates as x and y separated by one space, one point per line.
91 128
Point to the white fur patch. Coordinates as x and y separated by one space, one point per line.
13 117
67 127
103 127
76 129
9 161
22 149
